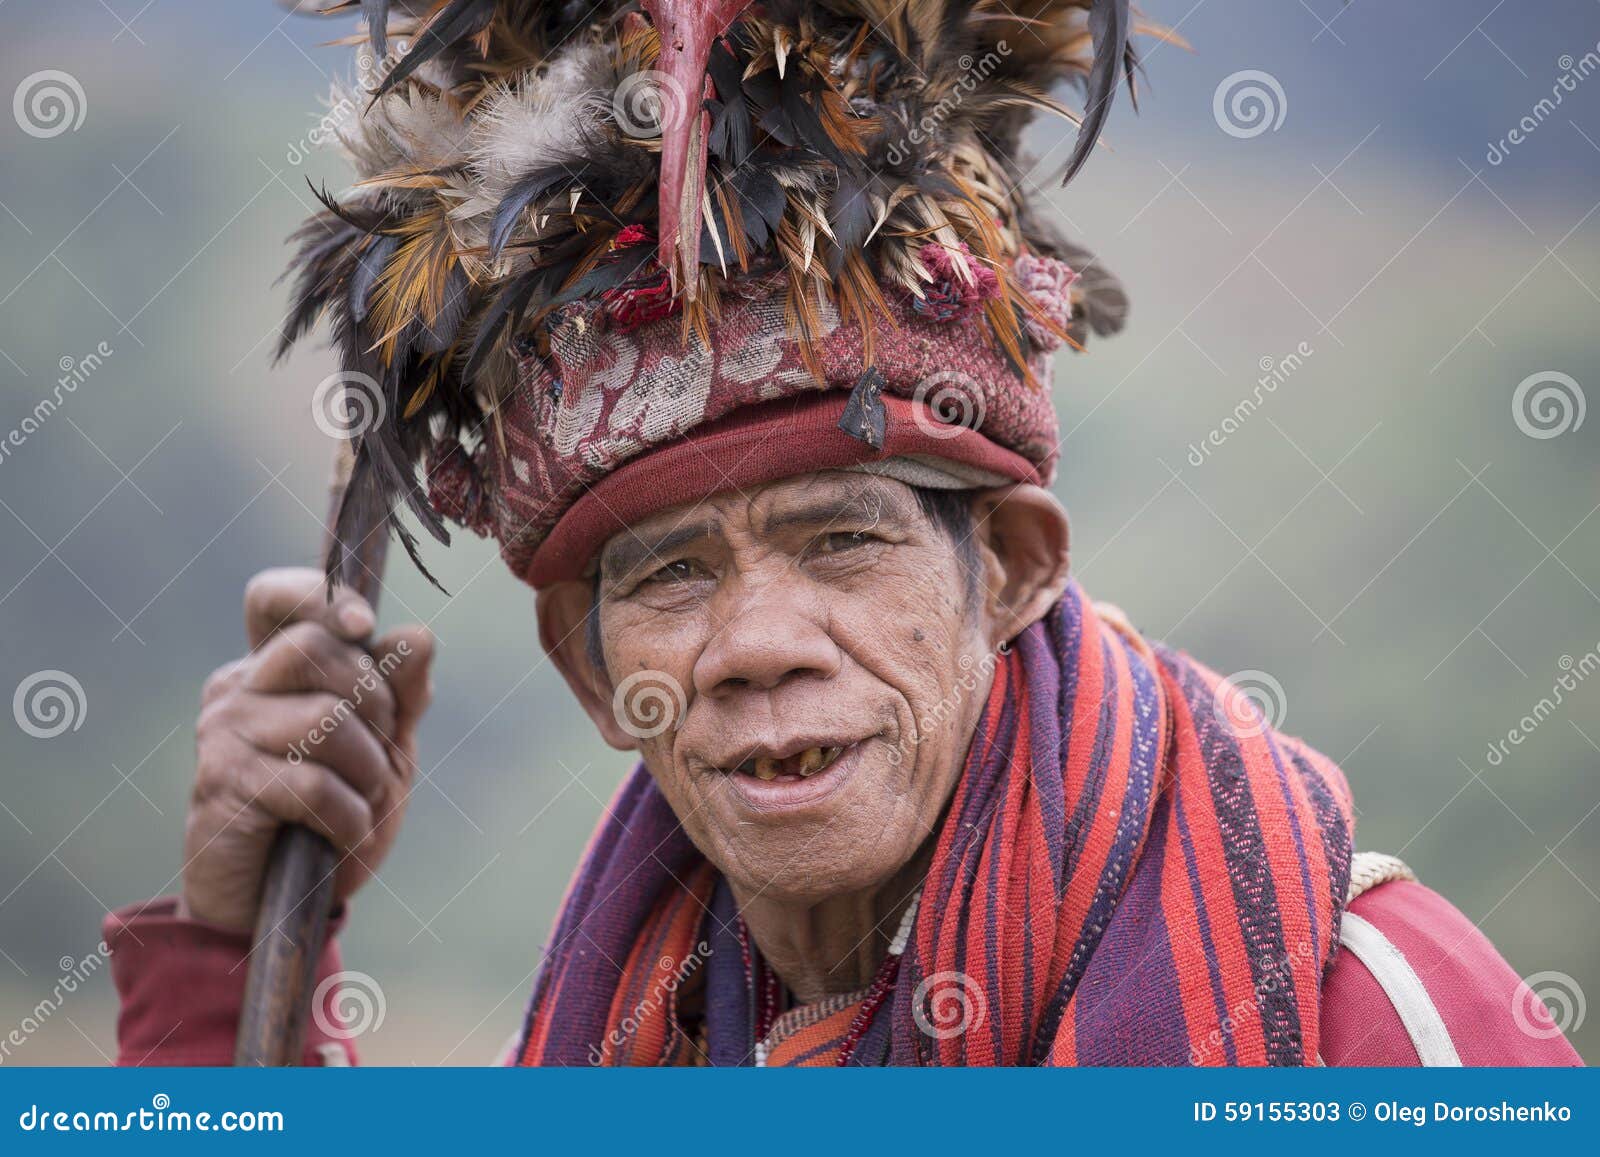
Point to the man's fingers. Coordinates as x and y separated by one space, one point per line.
321 729
309 794
304 657
275 598
406 655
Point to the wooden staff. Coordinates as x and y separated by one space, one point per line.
297 895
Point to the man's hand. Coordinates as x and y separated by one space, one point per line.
309 728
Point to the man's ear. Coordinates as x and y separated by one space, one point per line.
1024 542
564 611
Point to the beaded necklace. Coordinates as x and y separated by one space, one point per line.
877 992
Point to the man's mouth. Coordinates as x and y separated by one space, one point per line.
801 765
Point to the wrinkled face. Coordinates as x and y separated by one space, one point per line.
812 643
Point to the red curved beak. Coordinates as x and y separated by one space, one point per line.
688 29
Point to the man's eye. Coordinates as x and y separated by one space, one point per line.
842 540
683 570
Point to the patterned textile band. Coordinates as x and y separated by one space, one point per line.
610 396
1135 869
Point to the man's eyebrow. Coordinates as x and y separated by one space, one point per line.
863 504
627 552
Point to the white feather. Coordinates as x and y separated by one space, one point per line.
525 126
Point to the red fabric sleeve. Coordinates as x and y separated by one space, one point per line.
1477 993
181 985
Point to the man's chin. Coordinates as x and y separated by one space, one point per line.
805 840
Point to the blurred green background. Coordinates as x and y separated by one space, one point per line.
1380 535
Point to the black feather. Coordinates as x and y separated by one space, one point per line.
850 214
628 266
527 190
457 21
442 330
321 258
376 14
368 266
795 121
729 139
505 310
1109 23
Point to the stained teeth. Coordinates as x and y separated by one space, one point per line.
806 764
818 759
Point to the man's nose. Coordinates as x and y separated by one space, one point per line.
766 638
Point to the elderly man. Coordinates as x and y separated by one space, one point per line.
773 449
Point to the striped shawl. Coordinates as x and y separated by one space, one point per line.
1135 869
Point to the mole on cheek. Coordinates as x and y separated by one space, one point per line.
916 635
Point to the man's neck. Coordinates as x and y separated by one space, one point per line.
836 945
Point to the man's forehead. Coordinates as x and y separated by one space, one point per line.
817 496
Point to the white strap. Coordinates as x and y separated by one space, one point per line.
1404 988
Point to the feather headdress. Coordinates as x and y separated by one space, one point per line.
515 156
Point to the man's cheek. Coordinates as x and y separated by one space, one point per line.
651 701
